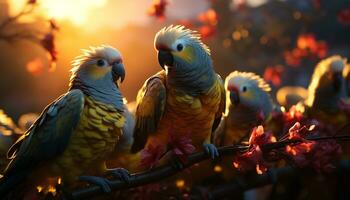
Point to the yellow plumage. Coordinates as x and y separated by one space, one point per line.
186 114
91 143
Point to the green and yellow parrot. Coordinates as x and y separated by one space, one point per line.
248 104
185 99
75 134
327 88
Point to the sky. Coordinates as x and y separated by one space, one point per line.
94 14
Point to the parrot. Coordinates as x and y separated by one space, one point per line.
73 136
288 96
248 104
186 99
326 89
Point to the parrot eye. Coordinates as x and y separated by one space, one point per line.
244 89
179 47
101 63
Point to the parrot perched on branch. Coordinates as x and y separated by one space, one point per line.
184 100
327 88
74 135
248 104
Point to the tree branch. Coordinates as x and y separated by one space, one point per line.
168 170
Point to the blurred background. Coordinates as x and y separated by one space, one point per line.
281 40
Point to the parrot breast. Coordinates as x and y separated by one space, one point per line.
94 139
186 115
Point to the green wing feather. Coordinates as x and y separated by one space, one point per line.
150 108
49 135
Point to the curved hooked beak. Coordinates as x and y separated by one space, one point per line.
165 58
118 72
234 96
337 80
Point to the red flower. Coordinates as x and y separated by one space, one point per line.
322 49
292 59
306 47
295 114
259 137
250 160
344 16
318 155
273 74
151 155
299 152
181 145
209 17
48 43
207 31
157 9
254 158
306 41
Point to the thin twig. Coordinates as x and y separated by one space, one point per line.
14 18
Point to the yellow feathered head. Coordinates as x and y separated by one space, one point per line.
327 80
248 90
98 63
181 48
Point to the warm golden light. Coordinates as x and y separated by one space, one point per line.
217 169
76 11
39 188
180 183
259 170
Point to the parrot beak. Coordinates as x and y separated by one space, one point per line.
337 80
118 71
234 96
165 58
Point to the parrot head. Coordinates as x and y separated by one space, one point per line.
98 73
247 90
327 83
185 58
181 49
97 64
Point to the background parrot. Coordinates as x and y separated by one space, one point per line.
248 104
288 96
73 136
185 100
327 88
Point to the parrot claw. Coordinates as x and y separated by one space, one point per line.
211 150
104 183
119 173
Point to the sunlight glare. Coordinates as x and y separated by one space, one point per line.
76 11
